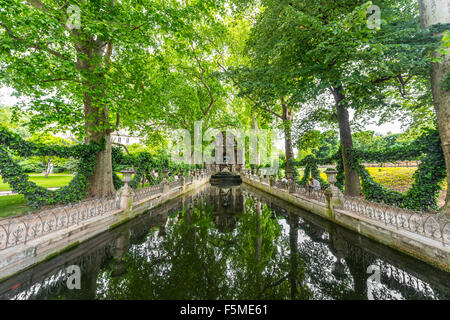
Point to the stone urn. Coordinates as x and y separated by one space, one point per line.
127 175
165 173
331 176
335 197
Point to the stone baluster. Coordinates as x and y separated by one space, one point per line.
182 179
165 182
271 181
291 186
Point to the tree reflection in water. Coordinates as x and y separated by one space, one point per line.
195 260
212 246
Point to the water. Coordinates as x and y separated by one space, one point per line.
230 243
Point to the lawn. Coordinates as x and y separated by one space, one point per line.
52 181
398 179
15 204
12 206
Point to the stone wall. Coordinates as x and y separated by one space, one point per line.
22 255
423 248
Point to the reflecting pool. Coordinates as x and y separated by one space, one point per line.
231 242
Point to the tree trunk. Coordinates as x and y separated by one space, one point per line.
256 128
352 186
92 61
49 168
101 182
431 13
287 127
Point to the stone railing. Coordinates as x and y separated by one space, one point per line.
318 195
22 229
144 193
295 189
428 225
175 184
280 185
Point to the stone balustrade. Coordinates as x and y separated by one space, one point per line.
332 203
22 229
27 238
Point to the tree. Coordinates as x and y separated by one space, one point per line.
433 12
70 58
182 86
7 120
331 44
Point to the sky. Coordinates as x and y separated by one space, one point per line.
393 127
5 97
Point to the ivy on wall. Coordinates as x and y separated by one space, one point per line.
12 144
144 163
428 179
311 165
35 195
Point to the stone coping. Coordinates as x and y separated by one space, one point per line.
15 259
415 245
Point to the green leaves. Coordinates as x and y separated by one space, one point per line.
423 194
37 196
428 179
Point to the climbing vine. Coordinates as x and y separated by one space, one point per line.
311 165
143 164
35 195
428 178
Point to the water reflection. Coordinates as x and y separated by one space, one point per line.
230 243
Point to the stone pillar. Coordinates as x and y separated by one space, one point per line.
182 179
165 182
126 198
334 197
290 186
271 181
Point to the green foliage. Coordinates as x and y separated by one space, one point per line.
143 163
32 166
35 195
311 169
428 178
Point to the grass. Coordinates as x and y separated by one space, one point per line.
398 179
394 178
12 206
52 181
15 204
